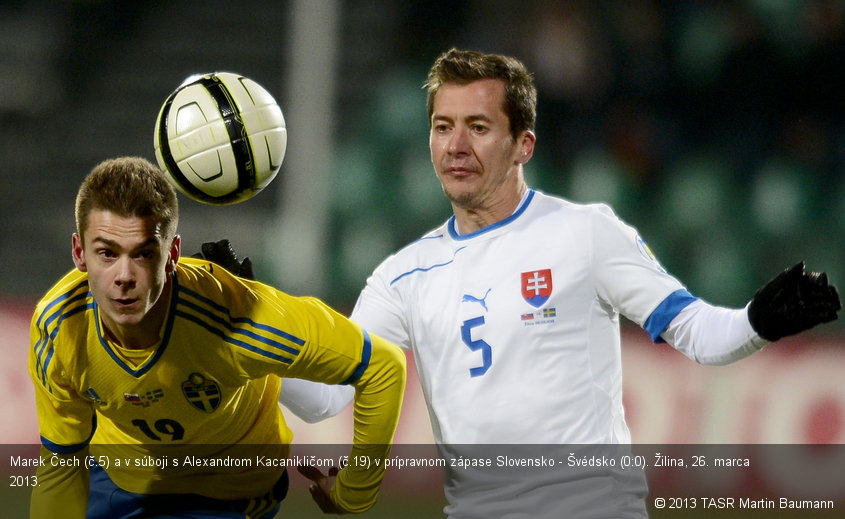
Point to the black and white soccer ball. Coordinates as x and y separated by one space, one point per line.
220 138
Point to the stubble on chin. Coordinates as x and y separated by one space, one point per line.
461 195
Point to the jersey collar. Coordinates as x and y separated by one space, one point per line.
452 225
165 338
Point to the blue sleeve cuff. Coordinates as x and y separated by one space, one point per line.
70 449
365 360
62 449
665 312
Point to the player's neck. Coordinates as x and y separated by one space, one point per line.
471 219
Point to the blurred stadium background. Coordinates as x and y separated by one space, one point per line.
714 127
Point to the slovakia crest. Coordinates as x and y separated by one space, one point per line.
202 393
537 287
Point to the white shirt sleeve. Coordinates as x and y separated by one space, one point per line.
627 275
380 311
713 335
314 401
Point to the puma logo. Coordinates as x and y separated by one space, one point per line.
468 298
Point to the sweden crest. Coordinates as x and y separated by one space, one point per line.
202 393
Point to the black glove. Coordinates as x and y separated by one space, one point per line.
222 253
792 302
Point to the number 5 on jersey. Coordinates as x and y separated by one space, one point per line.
477 345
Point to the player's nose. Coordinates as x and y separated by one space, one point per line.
458 142
124 272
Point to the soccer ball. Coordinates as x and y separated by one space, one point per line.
220 138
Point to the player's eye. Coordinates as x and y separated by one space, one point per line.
146 255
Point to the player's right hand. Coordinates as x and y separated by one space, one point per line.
794 301
222 253
321 487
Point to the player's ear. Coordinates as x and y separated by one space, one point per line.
174 253
78 253
526 146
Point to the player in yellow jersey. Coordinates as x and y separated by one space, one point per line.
165 372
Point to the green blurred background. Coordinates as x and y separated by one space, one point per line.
715 127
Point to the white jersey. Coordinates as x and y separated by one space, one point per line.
520 320
515 327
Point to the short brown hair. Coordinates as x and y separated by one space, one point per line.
466 66
128 186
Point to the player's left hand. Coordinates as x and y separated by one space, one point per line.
794 301
321 487
222 253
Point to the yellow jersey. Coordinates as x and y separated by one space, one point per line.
208 390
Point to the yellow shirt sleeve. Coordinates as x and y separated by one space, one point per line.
65 419
339 351
378 398
62 489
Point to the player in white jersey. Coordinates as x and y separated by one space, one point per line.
530 304
512 309
515 331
